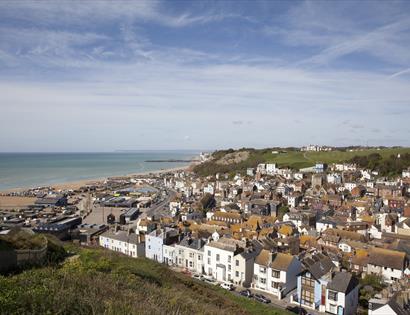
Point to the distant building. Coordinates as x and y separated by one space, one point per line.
61 227
52 201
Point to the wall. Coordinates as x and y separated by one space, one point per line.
15 258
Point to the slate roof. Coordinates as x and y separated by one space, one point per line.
343 282
318 265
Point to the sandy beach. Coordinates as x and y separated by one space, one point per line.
77 184
16 202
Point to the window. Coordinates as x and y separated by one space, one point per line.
229 267
262 270
229 258
191 255
237 262
262 280
190 264
275 285
209 261
236 273
199 257
308 282
308 297
217 257
332 295
209 253
275 274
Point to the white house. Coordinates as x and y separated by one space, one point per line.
406 173
390 264
324 224
174 207
342 294
294 199
190 255
209 189
169 255
156 239
350 185
275 273
219 258
270 168
399 304
334 178
244 264
123 242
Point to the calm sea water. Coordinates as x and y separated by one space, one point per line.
22 170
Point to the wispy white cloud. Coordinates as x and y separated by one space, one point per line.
102 67
399 73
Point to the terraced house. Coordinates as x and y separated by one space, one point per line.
275 273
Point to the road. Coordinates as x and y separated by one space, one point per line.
158 209
275 302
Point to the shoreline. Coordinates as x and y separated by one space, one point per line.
83 182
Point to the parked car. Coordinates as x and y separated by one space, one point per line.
247 293
261 298
227 286
297 310
197 276
209 280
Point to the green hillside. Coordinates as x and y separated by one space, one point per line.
290 157
99 282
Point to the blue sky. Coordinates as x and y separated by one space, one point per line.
102 76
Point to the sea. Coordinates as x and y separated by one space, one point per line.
27 170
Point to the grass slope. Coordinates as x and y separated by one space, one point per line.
291 158
101 282
298 159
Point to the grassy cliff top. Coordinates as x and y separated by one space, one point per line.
100 282
288 157
22 239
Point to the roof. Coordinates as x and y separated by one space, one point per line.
277 261
122 236
227 244
281 261
286 230
263 258
345 234
343 282
387 258
318 265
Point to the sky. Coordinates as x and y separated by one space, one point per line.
201 75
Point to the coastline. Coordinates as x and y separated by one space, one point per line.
77 184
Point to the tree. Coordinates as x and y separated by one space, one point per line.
282 210
207 202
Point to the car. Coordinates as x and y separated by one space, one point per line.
261 298
209 280
197 276
297 310
247 293
227 286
